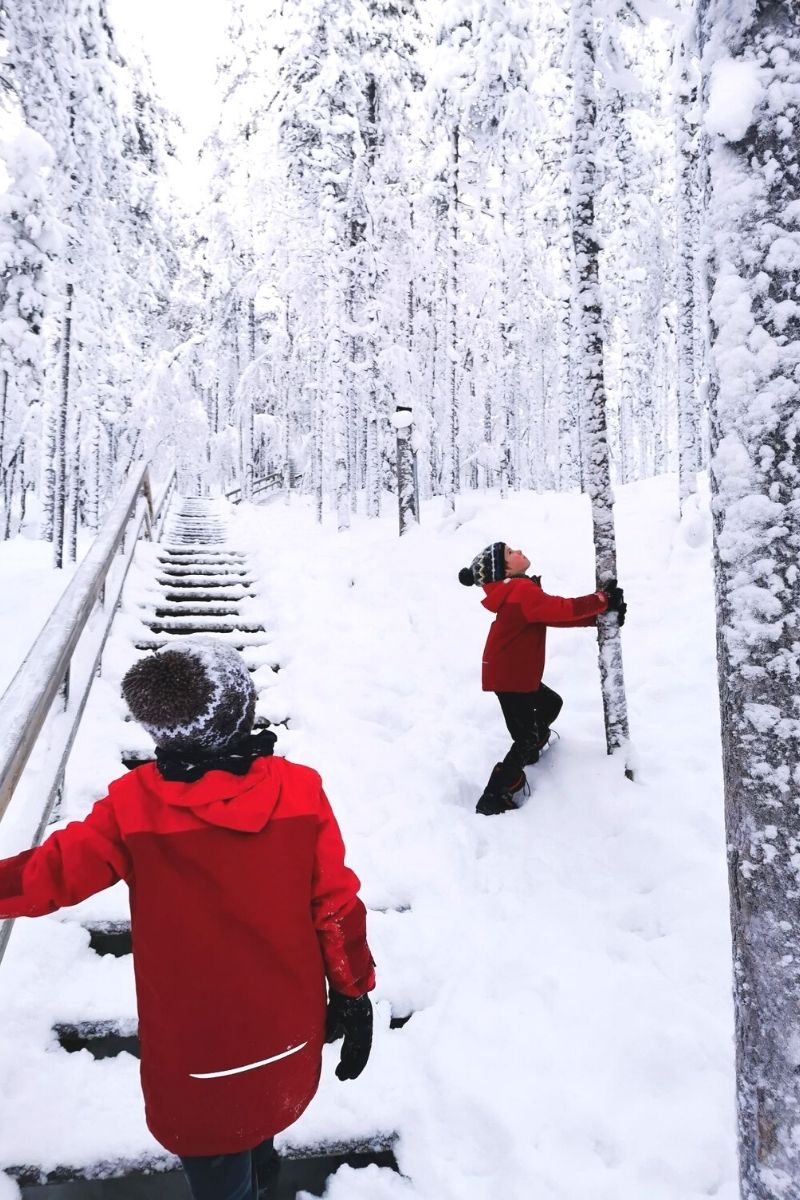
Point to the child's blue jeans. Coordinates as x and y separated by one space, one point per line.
233 1176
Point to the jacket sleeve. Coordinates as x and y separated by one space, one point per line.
77 861
340 918
542 609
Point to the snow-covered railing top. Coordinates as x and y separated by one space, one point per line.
46 668
64 660
265 484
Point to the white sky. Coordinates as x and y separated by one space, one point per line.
181 39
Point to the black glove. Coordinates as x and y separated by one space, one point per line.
616 600
350 1017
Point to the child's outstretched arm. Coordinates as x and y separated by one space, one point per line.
73 863
339 915
562 610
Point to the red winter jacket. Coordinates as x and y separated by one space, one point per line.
513 658
241 905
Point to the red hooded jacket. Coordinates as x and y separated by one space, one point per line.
513 658
241 906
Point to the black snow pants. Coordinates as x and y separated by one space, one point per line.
528 716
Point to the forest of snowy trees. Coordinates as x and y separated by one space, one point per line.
379 292
470 244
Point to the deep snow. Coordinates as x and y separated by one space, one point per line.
567 965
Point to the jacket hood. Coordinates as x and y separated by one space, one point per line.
241 802
498 593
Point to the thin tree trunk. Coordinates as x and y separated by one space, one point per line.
685 227
319 456
373 466
60 454
74 490
452 471
590 366
8 494
334 375
3 412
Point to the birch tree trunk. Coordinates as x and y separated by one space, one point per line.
754 163
569 453
248 400
333 396
319 455
685 230
5 465
373 465
74 490
406 498
451 466
60 448
589 366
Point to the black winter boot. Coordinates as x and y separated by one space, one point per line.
499 797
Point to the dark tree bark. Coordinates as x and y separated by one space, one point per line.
755 474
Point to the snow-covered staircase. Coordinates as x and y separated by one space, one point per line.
77 1071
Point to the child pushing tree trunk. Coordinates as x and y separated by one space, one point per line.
241 909
513 658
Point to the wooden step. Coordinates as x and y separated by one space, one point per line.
186 626
237 638
107 1039
302 1169
173 582
179 570
182 593
180 609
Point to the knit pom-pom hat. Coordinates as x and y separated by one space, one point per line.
195 692
487 567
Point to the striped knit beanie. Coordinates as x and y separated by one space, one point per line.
487 567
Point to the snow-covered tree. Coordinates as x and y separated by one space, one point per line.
752 54
589 317
29 241
110 279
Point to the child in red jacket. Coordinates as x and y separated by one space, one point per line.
513 659
241 909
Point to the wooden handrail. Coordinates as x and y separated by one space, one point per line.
28 698
258 486
26 704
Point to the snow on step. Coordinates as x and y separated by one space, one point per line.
194 578
210 624
240 639
216 592
193 568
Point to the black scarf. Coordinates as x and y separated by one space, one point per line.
189 765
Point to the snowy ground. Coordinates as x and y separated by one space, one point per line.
567 965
